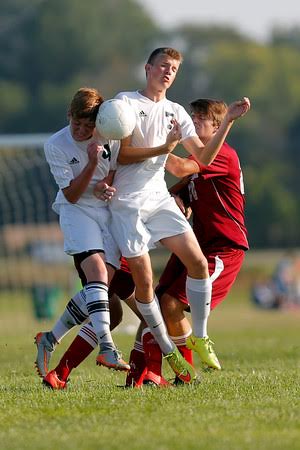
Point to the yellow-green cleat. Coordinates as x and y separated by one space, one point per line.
183 370
204 348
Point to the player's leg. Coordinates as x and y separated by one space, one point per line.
81 347
75 313
198 290
121 287
148 306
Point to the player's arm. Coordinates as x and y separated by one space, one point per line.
205 154
181 167
78 185
129 154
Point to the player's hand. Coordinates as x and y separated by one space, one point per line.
174 136
93 150
238 109
103 191
186 210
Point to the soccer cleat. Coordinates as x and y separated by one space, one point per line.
204 348
151 379
183 370
112 359
135 378
52 381
45 347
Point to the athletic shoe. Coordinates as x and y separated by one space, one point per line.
45 347
112 359
52 381
183 370
134 378
204 348
178 383
151 379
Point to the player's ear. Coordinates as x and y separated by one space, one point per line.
147 68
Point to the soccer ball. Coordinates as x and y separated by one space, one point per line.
116 119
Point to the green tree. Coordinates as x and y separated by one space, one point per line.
59 45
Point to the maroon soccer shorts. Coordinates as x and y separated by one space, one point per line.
122 283
173 278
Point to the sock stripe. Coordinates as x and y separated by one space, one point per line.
97 306
138 346
77 314
90 333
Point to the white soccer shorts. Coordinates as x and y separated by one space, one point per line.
86 228
141 220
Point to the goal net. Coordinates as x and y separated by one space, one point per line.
32 260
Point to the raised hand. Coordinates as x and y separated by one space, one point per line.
238 108
174 136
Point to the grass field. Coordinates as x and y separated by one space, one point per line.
253 403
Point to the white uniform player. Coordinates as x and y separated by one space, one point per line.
142 195
84 224
79 161
143 212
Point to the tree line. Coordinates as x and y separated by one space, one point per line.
49 48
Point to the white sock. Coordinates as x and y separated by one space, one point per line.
153 317
60 330
96 296
199 296
181 340
75 313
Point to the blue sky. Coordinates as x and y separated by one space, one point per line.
255 18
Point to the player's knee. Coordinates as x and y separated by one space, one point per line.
198 267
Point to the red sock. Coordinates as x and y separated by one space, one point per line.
76 353
137 368
186 353
153 355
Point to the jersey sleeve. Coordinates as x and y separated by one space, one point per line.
218 168
59 166
186 124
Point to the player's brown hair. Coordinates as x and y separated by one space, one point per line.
175 54
85 103
214 110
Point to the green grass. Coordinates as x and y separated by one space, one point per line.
253 403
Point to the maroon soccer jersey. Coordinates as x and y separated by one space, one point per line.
217 196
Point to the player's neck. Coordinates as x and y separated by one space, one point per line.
154 94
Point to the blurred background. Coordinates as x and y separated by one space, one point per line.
48 49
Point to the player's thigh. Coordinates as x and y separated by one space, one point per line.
94 268
188 250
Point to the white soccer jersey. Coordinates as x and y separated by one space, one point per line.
67 158
152 128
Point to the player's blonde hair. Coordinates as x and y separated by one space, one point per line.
174 54
85 104
214 110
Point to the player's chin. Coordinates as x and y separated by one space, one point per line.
80 138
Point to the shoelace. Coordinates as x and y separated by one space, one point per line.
210 346
117 354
